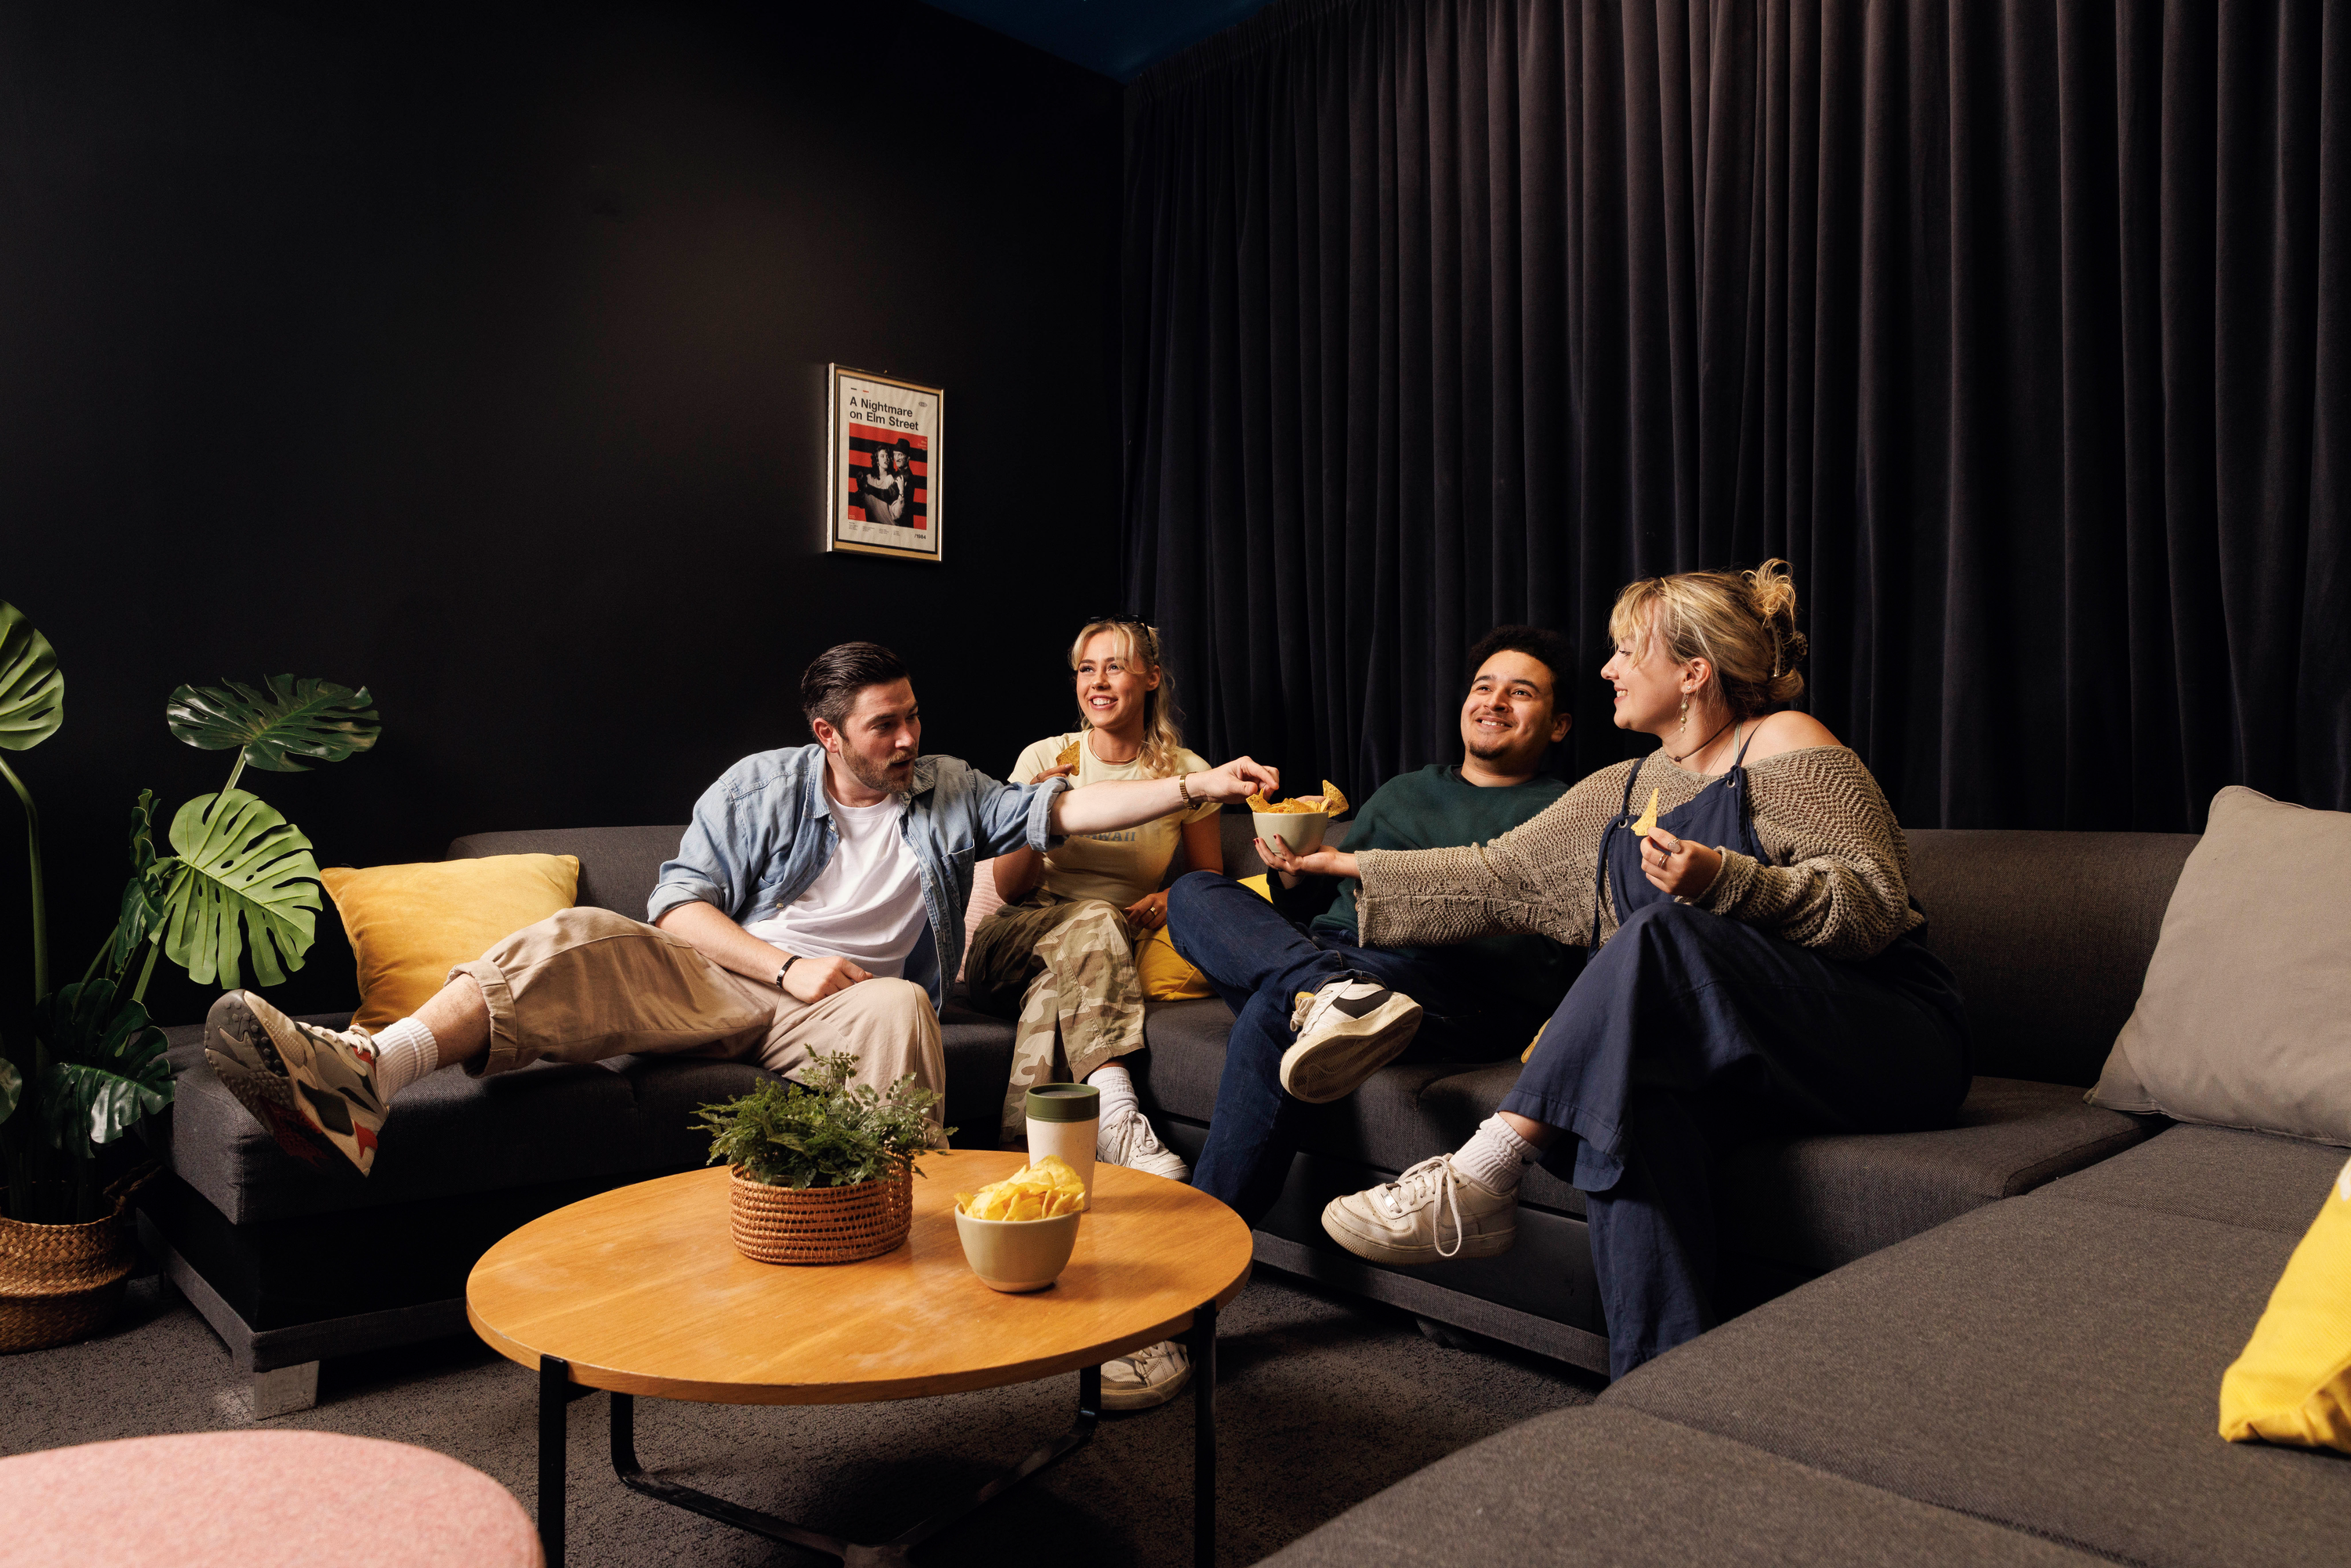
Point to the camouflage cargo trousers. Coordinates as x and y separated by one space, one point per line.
1064 969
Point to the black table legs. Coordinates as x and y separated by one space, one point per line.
1203 1340
557 1391
556 1394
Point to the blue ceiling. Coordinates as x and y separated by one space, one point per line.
1119 38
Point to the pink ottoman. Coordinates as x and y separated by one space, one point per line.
258 1499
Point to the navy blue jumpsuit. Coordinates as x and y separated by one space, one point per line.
1690 1028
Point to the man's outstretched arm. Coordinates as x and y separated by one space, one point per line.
1107 807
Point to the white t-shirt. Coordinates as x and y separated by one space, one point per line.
1122 867
865 905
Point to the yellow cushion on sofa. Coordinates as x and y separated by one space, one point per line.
408 925
2292 1384
1167 974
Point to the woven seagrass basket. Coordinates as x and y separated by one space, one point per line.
819 1224
60 1283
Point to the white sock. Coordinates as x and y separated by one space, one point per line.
404 1053
1495 1158
1117 1086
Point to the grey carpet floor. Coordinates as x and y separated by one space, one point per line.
1320 1404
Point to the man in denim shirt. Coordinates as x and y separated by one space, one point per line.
815 905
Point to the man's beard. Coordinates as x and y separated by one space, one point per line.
1490 751
884 779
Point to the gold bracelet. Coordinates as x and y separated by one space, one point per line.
1183 789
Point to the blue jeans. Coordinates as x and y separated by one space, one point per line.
1259 962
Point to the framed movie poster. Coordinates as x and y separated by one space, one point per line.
884 494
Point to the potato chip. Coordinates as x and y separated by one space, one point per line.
1067 756
1044 1190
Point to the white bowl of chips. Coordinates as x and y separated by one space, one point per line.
1018 1233
1297 825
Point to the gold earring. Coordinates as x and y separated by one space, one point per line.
1685 723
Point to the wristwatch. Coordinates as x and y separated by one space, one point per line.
1183 789
786 969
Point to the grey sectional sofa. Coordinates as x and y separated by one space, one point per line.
2035 1381
290 1265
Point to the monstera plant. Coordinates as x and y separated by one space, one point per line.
237 893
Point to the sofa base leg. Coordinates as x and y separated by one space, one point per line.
283 1390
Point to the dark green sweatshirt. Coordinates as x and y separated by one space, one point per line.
1436 809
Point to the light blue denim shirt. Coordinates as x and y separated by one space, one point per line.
764 831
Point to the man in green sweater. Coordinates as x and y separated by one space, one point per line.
1315 1013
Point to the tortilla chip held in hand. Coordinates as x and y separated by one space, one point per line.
1040 1191
1648 823
1067 756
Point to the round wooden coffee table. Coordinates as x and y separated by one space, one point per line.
639 1290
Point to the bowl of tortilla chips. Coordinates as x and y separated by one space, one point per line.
1018 1233
1298 824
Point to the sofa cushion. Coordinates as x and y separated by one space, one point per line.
2048 979
2246 1017
450 1134
2045 1362
2258 1180
618 866
409 924
1178 1074
550 1121
1817 1202
1613 1485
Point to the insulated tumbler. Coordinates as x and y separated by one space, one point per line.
1063 1120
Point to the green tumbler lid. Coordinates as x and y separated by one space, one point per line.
1064 1103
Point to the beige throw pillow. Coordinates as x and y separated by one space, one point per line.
2246 1017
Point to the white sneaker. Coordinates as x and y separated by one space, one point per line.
1346 1031
1127 1140
1152 1376
1408 1221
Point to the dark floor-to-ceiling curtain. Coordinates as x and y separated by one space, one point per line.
2019 329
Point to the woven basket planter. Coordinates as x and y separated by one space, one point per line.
819 1224
59 1282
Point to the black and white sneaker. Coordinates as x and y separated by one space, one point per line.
1347 1031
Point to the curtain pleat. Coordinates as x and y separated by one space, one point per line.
2018 327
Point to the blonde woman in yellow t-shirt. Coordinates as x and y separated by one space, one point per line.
1059 955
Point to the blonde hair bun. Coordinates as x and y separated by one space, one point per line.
1743 623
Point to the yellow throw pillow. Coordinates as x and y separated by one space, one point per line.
1167 974
2292 1384
409 924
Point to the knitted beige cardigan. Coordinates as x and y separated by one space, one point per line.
1838 880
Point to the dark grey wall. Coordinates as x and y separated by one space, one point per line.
475 354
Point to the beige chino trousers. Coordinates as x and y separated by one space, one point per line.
587 984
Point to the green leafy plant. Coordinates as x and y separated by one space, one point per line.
823 1131
239 891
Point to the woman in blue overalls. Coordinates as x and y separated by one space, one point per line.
1759 963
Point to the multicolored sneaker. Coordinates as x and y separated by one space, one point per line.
1347 1031
314 1089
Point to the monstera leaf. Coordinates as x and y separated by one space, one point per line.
291 719
109 1069
32 687
244 872
142 896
